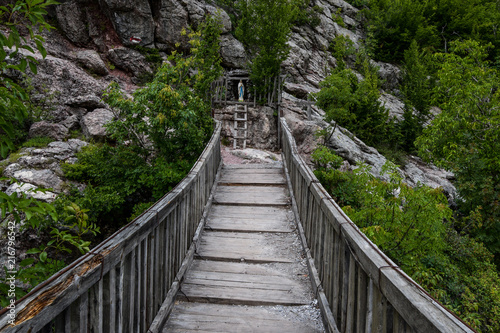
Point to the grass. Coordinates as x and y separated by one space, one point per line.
37 142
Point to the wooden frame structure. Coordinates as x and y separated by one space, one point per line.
220 91
122 283
363 290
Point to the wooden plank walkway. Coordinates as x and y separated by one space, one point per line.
249 274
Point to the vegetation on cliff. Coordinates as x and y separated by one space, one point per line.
157 136
448 51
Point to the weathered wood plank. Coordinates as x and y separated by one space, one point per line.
266 166
194 317
272 269
258 176
261 171
247 246
249 219
250 179
252 195
241 295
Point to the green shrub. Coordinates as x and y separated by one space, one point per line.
342 47
413 227
354 104
264 28
38 142
307 15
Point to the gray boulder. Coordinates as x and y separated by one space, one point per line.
226 20
47 129
93 123
389 74
63 83
232 52
71 122
395 106
131 19
31 191
90 101
42 178
130 60
72 21
92 61
172 19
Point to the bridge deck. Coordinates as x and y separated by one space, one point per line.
249 274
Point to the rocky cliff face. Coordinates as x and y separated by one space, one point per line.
92 47
309 63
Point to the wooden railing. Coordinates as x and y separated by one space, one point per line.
364 289
121 284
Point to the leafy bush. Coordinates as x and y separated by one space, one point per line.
307 14
342 47
464 137
38 142
158 135
264 28
394 24
353 104
27 14
413 227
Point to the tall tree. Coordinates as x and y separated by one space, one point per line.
465 137
264 28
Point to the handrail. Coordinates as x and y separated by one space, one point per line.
366 291
121 284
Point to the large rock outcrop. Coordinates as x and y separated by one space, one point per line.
39 168
262 130
74 78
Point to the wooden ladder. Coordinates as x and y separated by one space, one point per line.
240 126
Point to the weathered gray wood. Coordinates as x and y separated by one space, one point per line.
247 247
223 318
252 195
269 285
249 219
235 177
400 297
361 301
46 302
241 295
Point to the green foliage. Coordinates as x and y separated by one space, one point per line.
118 178
325 159
410 225
307 14
139 209
206 52
405 222
416 87
464 136
159 134
29 15
354 104
337 18
342 47
20 206
38 142
393 24
150 54
178 120
341 185
264 28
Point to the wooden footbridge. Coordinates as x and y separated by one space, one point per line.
234 249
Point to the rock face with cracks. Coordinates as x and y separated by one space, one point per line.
96 49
